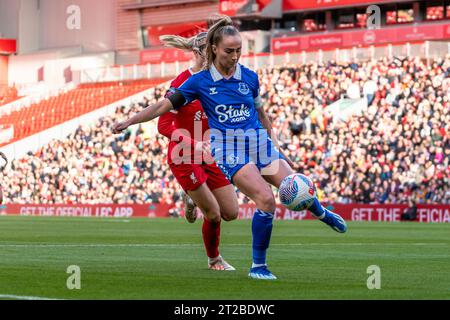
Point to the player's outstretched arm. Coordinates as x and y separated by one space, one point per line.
145 115
265 121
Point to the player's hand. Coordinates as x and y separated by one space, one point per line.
118 127
288 160
207 147
204 147
295 166
291 164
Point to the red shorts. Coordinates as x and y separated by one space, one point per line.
192 176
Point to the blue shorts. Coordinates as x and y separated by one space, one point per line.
231 156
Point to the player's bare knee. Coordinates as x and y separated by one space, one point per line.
213 217
266 202
212 214
230 215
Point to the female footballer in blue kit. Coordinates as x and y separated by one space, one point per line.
240 134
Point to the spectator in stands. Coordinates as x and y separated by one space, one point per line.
369 90
410 213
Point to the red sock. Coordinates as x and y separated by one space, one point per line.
211 238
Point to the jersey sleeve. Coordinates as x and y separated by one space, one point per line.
190 89
256 90
166 124
255 85
167 128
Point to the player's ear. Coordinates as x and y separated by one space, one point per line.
214 49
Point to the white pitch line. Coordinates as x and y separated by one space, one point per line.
14 297
162 245
98 245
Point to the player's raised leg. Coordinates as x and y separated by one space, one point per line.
278 170
249 181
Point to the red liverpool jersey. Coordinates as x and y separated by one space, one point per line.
191 118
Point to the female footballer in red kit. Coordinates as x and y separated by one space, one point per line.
204 182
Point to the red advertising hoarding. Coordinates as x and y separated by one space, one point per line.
85 210
350 212
294 5
166 55
362 212
447 31
231 7
186 30
364 37
8 46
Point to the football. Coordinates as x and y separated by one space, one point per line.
297 192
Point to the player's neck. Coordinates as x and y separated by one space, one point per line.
227 73
196 68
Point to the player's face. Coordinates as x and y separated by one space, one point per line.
228 51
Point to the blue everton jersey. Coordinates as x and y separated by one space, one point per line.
237 136
229 104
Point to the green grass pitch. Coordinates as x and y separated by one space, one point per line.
165 259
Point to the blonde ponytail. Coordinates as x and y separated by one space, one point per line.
178 42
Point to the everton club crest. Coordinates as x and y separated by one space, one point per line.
243 88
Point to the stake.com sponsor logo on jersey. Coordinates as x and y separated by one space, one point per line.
239 114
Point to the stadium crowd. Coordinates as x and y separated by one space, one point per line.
396 151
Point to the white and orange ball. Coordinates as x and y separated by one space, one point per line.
297 192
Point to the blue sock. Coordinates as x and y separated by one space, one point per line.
262 231
317 209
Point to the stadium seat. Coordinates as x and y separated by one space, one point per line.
8 95
71 104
